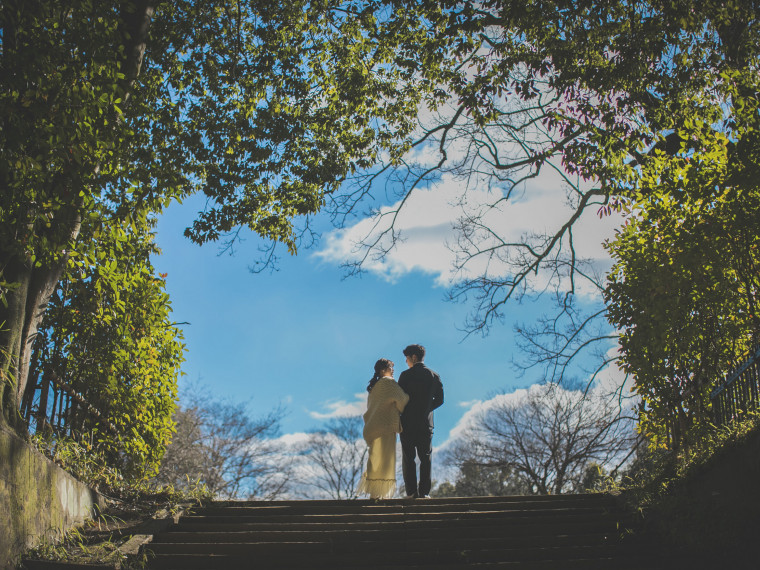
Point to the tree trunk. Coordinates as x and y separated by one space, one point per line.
43 283
27 303
12 317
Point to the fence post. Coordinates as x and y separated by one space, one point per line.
739 392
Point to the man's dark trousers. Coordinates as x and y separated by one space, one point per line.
419 445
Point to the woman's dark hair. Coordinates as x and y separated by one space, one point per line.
380 365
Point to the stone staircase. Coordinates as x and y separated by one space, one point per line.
557 532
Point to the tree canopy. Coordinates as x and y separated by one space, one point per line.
275 110
622 100
120 108
481 480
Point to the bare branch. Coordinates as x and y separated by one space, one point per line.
550 437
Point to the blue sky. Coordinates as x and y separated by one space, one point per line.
305 337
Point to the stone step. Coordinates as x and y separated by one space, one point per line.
441 547
349 535
220 562
317 559
254 515
434 509
584 498
515 526
419 506
558 559
548 501
562 532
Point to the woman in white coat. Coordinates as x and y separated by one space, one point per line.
382 422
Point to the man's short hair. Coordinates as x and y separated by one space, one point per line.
415 350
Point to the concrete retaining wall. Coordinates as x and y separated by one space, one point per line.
38 500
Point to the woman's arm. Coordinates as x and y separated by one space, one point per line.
401 398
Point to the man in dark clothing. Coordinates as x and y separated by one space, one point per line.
425 395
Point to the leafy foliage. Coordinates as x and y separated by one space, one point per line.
67 69
618 99
265 107
62 138
82 459
109 335
268 108
116 110
685 292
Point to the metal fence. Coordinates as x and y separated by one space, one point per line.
52 406
739 393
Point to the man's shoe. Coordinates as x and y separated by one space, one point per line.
425 497
411 497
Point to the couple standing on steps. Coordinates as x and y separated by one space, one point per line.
407 408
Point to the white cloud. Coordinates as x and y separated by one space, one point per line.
612 380
427 222
290 439
478 408
442 470
341 408
610 383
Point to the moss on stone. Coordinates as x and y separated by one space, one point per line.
38 499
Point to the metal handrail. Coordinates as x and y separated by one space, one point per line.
739 392
736 373
82 402
61 409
